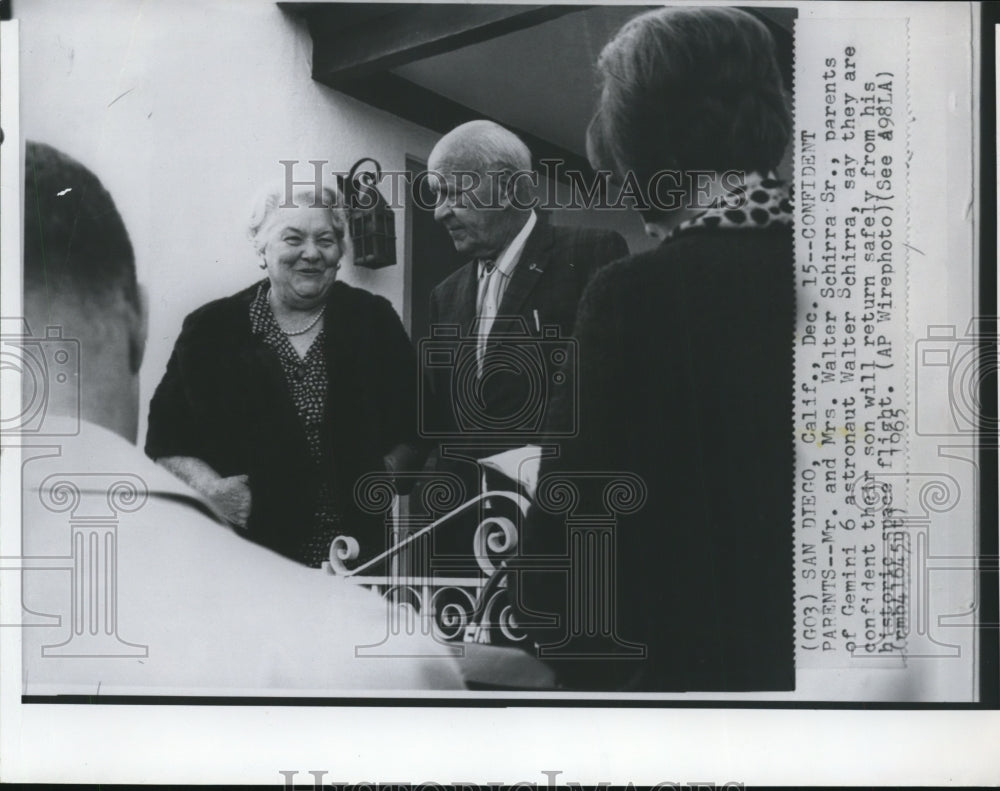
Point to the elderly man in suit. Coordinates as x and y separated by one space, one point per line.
519 287
510 309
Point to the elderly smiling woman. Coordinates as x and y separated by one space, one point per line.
278 398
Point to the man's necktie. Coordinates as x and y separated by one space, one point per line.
486 307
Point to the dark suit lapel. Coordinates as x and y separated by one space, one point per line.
534 260
466 292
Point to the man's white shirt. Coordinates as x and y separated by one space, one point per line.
493 284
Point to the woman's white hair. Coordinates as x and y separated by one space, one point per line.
277 196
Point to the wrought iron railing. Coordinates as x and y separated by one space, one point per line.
471 607
476 607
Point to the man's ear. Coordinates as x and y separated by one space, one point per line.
499 184
138 330
516 189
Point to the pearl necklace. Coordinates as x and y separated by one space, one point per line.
309 326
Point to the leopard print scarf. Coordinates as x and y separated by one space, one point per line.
761 202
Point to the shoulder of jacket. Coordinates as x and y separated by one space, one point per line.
355 298
219 313
629 274
451 282
719 248
584 236
358 312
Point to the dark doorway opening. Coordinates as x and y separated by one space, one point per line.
430 254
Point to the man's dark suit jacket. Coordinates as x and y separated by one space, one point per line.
686 381
527 344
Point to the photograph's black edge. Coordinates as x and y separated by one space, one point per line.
486 703
989 612
989 604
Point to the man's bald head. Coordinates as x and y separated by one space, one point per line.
482 201
481 146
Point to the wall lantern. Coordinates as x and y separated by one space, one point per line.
370 218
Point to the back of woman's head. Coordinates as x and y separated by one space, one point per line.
691 88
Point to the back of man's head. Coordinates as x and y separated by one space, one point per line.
79 275
76 247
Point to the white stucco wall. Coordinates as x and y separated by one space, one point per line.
183 109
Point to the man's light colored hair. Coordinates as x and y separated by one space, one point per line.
483 145
274 196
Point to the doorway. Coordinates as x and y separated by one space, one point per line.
430 254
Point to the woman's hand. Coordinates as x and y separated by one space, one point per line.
232 497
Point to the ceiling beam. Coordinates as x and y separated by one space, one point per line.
346 49
429 109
